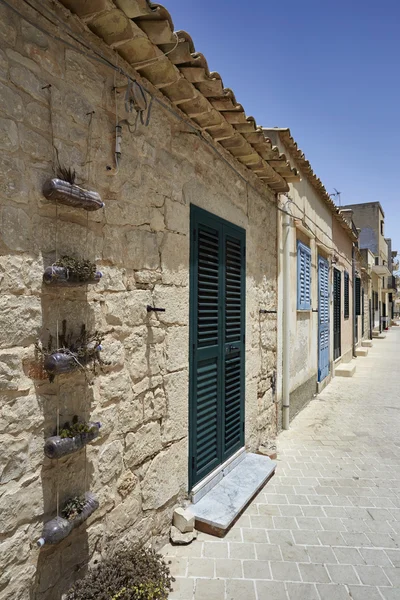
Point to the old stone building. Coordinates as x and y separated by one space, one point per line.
370 219
189 226
318 242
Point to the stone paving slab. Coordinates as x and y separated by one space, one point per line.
327 527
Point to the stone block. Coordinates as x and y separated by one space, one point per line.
174 259
125 514
68 102
143 357
3 66
32 35
176 426
85 74
166 477
9 140
345 370
177 217
182 539
8 27
142 444
183 520
177 348
115 388
126 483
34 144
20 504
175 300
13 457
154 403
361 351
141 250
21 414
11 103
110 461
20 320
38 116
11 374
29 82
127 308
378 336
367 343
14 550
16 229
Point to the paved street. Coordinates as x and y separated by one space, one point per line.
327 526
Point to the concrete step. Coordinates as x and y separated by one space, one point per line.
345 370
361 351
366 343
218 510
378 336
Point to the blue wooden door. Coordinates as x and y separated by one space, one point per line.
323 318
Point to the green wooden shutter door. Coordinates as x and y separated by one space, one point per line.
217 307
208 336
346 296
358 296
336 313
234 343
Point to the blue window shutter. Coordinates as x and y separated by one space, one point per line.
303 277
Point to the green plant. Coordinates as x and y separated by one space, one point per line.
136 574
73 507
66 174
84 349
81 270
70 430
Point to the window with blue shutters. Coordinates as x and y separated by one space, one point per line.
303 277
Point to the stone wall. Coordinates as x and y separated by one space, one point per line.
138 466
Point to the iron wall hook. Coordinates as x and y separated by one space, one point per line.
154 309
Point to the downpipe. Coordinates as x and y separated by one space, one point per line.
286 323
353 268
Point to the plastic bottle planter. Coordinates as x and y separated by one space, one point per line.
56 446
58 528
63 276
71 195
58 363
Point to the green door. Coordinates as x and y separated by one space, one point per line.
217 342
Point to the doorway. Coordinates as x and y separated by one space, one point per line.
217 342
337 313
323 318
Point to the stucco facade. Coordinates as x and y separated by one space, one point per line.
316 224
138 467
304 324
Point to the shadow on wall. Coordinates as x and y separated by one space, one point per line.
71 475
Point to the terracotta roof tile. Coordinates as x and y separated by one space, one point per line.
287 139
142 32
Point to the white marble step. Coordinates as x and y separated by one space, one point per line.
217 511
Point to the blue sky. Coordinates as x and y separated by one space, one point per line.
328 70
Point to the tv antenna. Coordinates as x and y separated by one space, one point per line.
337 195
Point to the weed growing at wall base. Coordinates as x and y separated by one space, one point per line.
137 574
